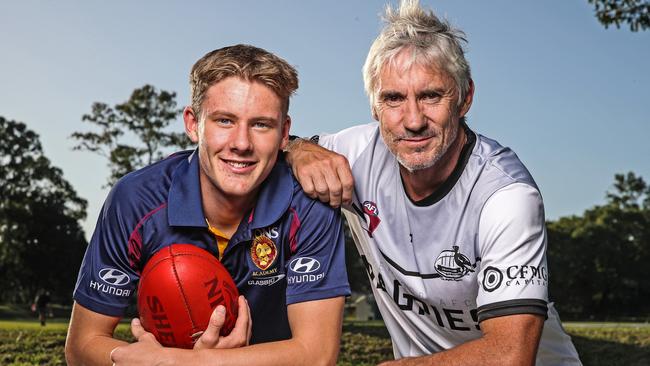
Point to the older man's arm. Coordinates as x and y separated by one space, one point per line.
506 340
323 174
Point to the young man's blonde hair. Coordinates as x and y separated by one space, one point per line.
247 62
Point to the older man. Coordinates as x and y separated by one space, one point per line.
449 223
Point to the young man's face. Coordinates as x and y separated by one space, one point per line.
242 129
418 112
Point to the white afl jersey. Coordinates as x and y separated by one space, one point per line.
474 250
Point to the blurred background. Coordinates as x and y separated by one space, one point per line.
563 83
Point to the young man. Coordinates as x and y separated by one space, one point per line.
449 223
235 197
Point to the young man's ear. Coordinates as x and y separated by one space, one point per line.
191 121
286 125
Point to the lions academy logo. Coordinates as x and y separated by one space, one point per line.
263 252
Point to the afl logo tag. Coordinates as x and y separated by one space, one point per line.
263 252
370 209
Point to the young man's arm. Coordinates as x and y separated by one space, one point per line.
90 337
315 327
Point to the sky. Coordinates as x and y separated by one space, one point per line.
567 95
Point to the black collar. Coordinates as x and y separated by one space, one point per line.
449 183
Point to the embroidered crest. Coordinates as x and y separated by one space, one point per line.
263 252
453 265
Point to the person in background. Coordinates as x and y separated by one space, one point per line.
40 306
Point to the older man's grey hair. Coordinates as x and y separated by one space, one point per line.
433 43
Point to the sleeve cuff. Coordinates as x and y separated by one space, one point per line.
318 295
512 307
97 307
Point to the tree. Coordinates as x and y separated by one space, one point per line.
598 260
634 12
41 241
145 116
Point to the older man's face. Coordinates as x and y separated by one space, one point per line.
417 108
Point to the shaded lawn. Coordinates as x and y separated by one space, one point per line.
363 343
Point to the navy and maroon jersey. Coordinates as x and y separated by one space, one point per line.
302 241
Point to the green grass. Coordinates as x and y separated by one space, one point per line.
25 342
364 343
611 344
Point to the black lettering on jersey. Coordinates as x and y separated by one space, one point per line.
474 314
526 272
371 274
380 282
423 308
438 317
452 321
396 297
405 302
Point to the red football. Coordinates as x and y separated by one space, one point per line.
179 287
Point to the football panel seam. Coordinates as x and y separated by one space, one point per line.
183 296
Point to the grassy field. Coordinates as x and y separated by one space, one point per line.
27 343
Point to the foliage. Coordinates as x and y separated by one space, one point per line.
145 116
598 260
636 13
40 212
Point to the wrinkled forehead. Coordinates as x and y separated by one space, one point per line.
411 59
407 70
